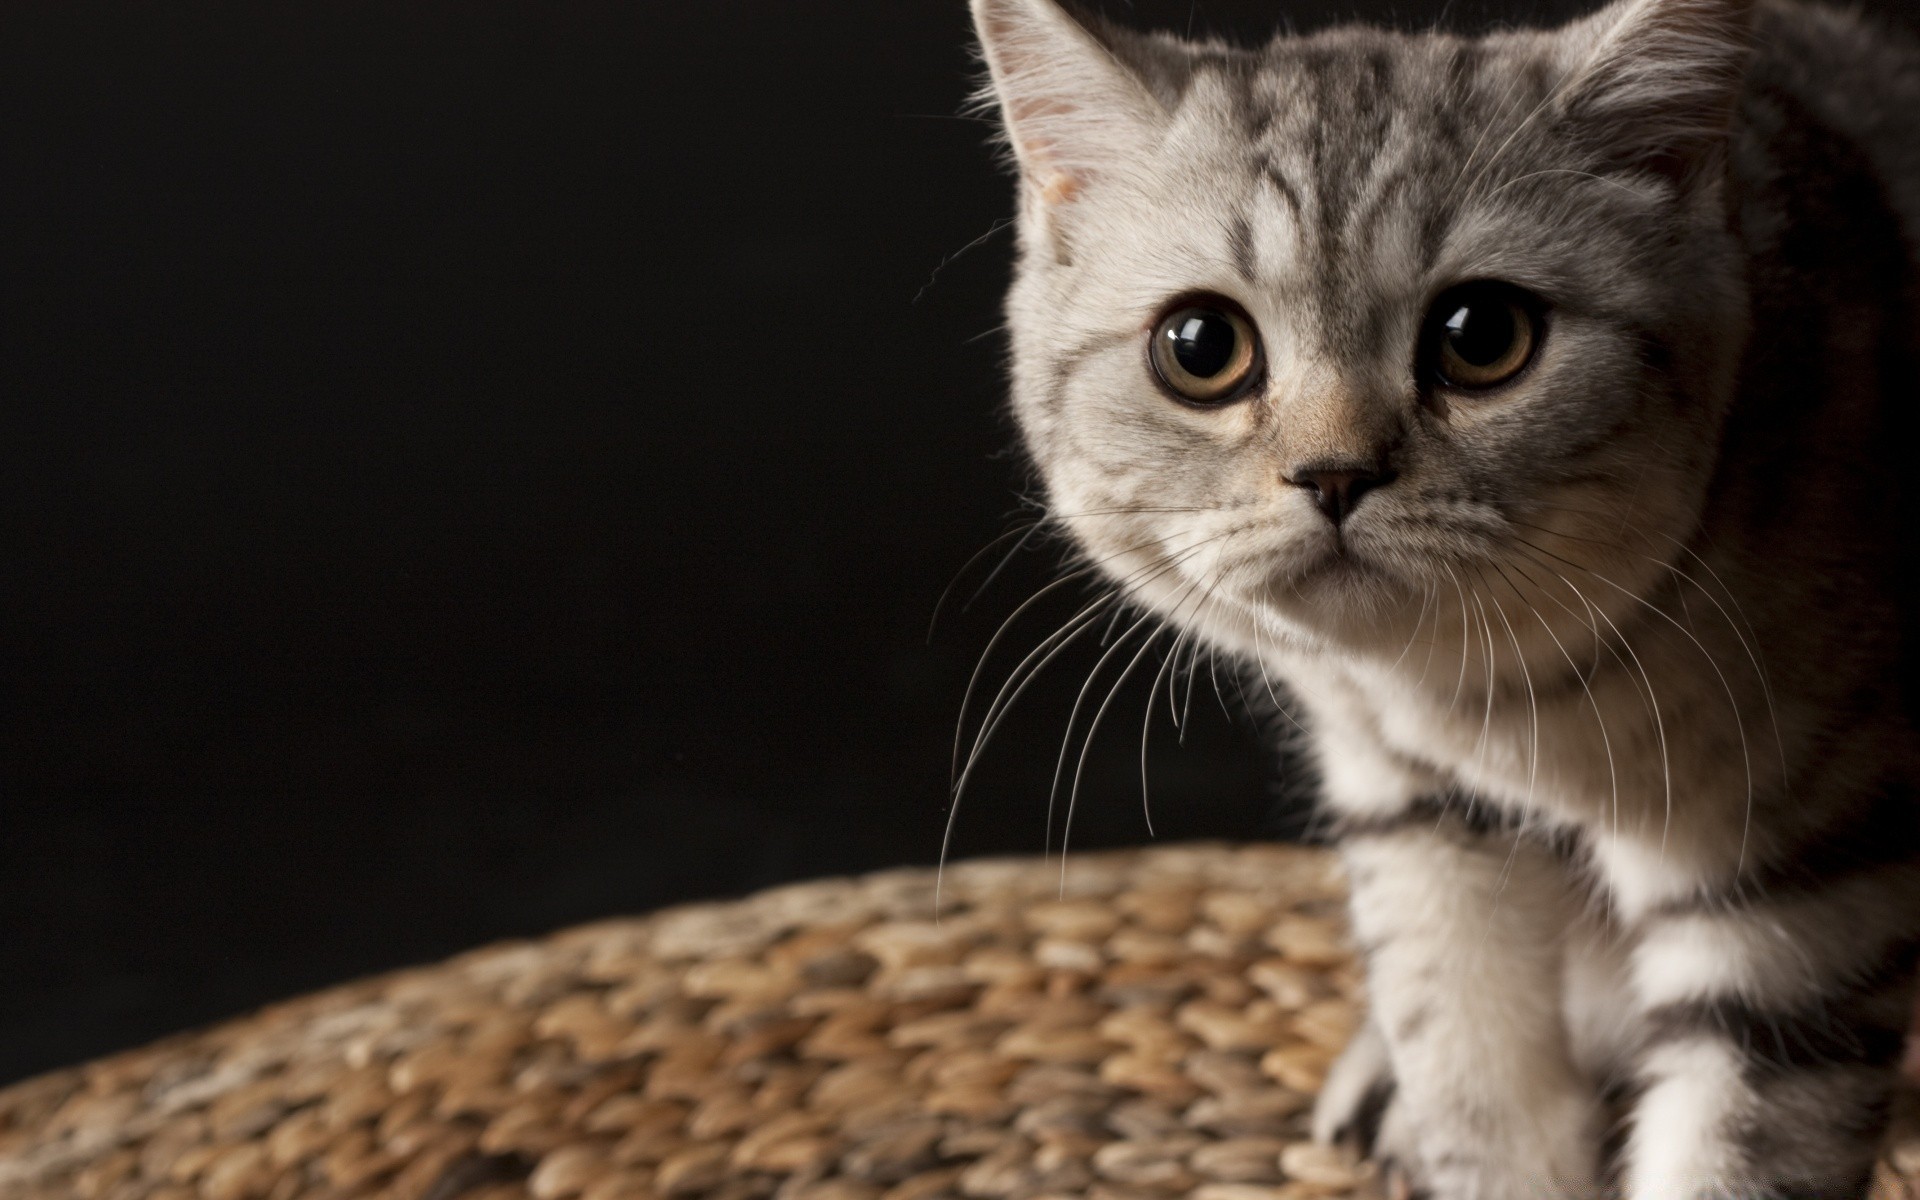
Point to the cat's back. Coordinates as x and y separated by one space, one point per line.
1842 74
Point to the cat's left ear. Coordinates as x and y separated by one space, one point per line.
1653 84
1073 111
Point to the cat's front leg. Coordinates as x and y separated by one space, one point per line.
1467 1072
1462 933
1773 1018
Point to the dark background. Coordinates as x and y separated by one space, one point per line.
474 467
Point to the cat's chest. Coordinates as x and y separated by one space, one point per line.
1468 740
1567 751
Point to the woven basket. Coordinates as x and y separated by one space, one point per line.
1156 1033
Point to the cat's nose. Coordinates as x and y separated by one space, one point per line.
1336 488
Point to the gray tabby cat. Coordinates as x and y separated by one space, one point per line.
1538 408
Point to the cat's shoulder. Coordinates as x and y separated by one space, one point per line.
1848 74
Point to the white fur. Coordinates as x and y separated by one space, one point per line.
1361 1067
1701 957
1643 874
1679 1146
1500 1111
1602 1016
1358 780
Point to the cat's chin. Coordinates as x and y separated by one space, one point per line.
1339 594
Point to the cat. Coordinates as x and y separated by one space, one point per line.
1538 407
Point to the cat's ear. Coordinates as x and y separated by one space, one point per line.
1653 83
1071 109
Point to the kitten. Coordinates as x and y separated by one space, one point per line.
1538 408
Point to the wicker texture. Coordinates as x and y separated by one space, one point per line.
1156 1033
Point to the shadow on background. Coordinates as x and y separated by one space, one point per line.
474 467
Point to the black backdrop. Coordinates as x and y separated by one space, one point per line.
471 467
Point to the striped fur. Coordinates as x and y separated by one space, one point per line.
1607 686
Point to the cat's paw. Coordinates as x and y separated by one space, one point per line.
1357 1099
1552 1153
1356 1111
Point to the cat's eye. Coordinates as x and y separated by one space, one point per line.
1205 351
1480 335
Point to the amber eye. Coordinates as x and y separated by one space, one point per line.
1481 334
1205 351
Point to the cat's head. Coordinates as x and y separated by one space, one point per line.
1308 336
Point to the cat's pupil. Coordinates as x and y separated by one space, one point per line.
1481 334
1203 343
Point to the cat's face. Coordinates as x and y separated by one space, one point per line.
1311 339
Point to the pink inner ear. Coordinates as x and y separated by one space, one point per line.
1031 115
1061 189
1070 107
1057 185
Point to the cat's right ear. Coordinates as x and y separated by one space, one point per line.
1071 110
1654 83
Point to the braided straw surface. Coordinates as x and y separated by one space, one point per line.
1157 1032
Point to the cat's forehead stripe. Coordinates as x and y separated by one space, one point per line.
1268 171
1240 239
1370 144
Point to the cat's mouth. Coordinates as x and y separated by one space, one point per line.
1331 567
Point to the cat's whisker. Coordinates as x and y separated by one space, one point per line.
1073 794
991 721
1426 597
1260 658
1459 684
1563 535
1486 722
983 239
1193 657
1169 671
1033 528
1023 675
1750 647
1653 700
1433 639
1739 719
986 655
1513 853
1172 673
1533 706
1153 691
1213 671
1544 171
1604 514
1505 103
967 118
1599 716
1003 704
1165 566
1133 510
1622 519
966 699
1025 530
1146 729
990 724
